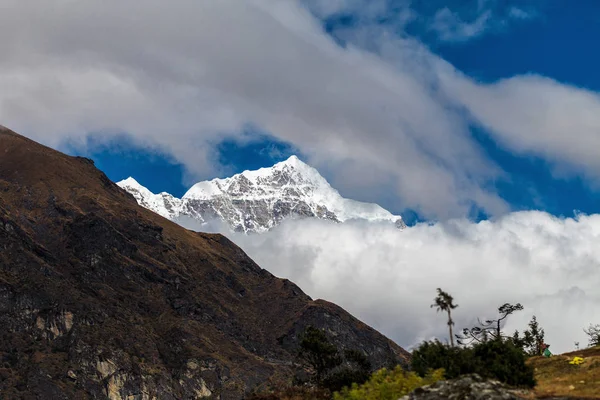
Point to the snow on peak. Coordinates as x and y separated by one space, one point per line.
260 183
131 182
293 161
135 186
256 201
204 190
163 203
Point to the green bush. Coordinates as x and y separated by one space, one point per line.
317 352
388 385
505 362
495 359
455 361
344 377
333 369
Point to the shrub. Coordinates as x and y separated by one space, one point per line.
344 377
356 368
388 385
318 352
332 368
496 359
455 361
502 360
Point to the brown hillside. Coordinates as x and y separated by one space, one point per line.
102 298
557 377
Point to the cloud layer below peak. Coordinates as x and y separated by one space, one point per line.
388 277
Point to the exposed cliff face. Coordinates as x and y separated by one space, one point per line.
101 298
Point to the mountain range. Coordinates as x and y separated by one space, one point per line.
101 298
256 201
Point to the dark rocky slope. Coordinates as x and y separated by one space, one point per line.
101 298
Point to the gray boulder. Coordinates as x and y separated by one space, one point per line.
468 387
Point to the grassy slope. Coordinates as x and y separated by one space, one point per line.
556 377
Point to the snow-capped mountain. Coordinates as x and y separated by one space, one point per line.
256 201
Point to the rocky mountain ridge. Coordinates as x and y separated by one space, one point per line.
102 298
256 201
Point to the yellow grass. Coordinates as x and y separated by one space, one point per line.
556 377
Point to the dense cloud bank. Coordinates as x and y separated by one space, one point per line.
388 277
382 114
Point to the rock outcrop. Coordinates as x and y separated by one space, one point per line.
468 387
101 298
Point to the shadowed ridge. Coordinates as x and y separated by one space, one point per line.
103 298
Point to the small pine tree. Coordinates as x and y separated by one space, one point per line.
533 338
517 339
333 369
318 352
355 369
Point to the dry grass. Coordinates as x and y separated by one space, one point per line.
294 393
556 377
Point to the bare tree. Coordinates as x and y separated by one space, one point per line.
492 328
444 302
593 333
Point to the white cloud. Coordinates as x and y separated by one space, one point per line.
518 13
388 277
450 27
182 76
185 75
467 22
536 115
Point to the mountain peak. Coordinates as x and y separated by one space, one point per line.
292 160
293 167
163 203
295 163
256 201
133 185
131 182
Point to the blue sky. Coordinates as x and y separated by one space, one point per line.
555 39
159 171
433 109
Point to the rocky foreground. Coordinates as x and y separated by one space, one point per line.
468 387
473 387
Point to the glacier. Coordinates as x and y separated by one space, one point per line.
257 201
